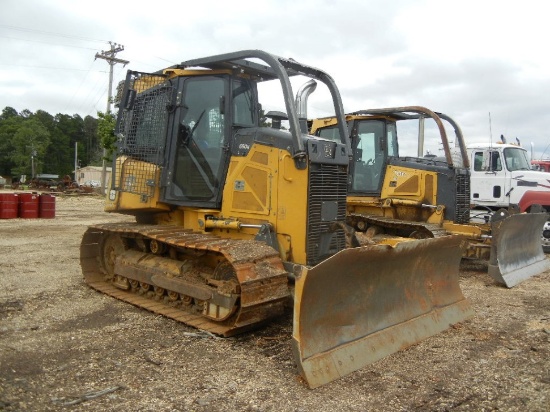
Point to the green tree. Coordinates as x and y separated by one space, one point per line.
93 152
8 112
56 152
69 130
30 143
9 124
54 139
106 132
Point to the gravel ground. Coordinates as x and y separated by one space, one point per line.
64 346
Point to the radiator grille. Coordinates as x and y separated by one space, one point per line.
327 204
462 198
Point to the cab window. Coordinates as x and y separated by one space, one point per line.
369 156
243 103
487 162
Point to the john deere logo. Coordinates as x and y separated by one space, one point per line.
329 150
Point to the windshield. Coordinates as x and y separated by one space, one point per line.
329 133
516 159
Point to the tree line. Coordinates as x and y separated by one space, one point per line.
46 143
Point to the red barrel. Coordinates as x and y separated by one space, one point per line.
28 205
46 206
9 205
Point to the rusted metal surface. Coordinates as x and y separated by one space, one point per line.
257 291
512 248
397 227
366 303
516 252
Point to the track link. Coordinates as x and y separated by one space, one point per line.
399 227
258 269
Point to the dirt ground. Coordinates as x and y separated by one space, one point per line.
64 346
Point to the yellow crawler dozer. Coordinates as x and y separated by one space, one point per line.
428 197
234 219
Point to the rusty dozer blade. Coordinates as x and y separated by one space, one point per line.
516 248
365 303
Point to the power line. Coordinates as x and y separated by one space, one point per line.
96 90
49 33
49 67
45 42
110 57
79 87
24 29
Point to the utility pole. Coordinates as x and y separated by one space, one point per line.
76 161
33 154
110 57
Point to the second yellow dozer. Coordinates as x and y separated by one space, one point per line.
427 197
235 220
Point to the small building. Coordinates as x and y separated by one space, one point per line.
91 175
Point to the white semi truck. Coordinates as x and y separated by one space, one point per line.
501 177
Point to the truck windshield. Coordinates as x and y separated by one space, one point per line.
516 159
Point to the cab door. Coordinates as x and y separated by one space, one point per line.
489 178
196 160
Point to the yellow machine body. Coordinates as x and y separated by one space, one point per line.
234 220
263 187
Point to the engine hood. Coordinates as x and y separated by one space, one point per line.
532 178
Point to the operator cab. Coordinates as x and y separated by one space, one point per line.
373 142
178 128
200 150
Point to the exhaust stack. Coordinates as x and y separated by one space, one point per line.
301 103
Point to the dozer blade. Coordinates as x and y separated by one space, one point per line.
516 249
365 303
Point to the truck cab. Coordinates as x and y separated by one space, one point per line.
501 176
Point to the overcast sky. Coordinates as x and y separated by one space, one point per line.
484 63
